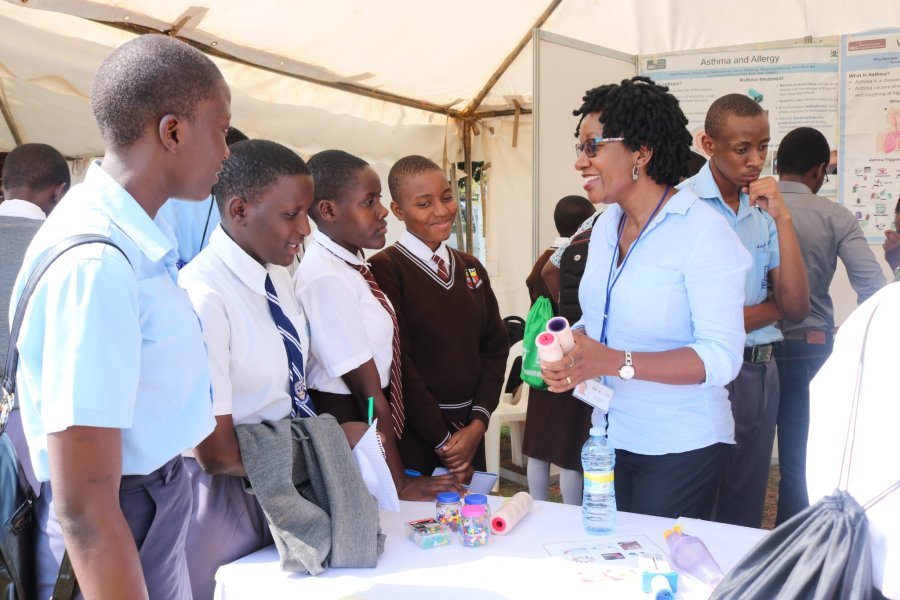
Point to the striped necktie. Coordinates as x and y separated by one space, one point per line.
301 403
442 268
397 412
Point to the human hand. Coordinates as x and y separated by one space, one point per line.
426 488
765 194
891 240
457 453
589 359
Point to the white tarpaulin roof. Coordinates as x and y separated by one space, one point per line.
301 60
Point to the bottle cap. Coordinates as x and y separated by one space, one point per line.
676 529
472 510
598 431
448 497
476 499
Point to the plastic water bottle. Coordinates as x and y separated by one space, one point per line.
598 507
691 557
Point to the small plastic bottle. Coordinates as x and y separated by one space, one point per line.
480 499
691 557
447 508
598 507
474 525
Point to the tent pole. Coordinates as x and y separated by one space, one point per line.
477 100
467 157
8 118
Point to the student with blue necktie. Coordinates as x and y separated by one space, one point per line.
257 338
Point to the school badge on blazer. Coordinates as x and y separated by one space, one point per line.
472 278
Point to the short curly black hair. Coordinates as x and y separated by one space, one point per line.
145 79
334 173
801 150
253 167
645 114
413 164
36 167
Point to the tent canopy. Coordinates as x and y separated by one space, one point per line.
382 79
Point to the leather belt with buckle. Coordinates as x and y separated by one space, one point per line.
758 354
808 335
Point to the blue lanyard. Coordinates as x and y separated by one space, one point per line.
610 281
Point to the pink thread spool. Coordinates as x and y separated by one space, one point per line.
559 326
548 347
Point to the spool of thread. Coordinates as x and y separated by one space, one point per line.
548 347
559 326
512 511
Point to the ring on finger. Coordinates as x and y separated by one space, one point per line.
572 364
568 380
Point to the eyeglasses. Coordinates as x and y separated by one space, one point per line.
826 176
590 145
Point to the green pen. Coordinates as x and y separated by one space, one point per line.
371 408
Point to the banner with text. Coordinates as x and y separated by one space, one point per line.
870 129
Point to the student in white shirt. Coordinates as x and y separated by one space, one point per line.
263 193
351 350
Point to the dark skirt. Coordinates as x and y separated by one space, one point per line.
556 427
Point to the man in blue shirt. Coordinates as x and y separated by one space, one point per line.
737 139
113 375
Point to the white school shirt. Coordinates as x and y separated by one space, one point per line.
348 325
21 208
105 343
418 248
248 360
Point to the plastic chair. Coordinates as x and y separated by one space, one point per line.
507 412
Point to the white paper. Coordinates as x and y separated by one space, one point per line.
482 482
373 467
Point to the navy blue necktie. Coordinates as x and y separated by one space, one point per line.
301 405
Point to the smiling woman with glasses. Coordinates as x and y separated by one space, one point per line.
662 297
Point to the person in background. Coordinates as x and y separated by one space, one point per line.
570 213
454 344
113 376
825 230
736 139
35 178
556 425
892 243
661 294
193 222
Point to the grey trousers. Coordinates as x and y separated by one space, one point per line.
754 405
226 524
157 507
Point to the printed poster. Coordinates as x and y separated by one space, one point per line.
870 129
797 86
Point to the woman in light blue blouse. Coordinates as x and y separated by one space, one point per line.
662 296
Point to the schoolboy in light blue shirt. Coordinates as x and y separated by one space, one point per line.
737 140
113 375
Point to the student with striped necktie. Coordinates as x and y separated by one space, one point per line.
355 344
257 339
454 343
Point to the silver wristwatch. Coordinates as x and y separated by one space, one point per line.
626 371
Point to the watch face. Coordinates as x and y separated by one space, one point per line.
626 372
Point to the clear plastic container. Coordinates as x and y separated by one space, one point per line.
691 557
481 500
474 525
447 508
428 533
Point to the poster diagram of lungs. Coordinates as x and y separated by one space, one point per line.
870 129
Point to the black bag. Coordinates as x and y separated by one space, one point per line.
17 557
821 553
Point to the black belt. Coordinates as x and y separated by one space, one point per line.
758 354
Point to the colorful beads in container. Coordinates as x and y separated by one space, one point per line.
428 533
474 525
447 509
